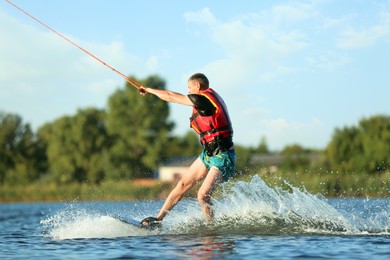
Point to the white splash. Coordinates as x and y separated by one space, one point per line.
255 207
79 223
245 207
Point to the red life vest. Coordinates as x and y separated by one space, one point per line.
218 124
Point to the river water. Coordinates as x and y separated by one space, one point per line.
252 221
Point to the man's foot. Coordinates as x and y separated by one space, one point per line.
150 222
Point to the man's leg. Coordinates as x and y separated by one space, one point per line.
213 178
196 172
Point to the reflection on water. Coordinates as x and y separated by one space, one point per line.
206 247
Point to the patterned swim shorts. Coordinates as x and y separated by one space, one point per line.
224 161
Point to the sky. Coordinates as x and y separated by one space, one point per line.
291 72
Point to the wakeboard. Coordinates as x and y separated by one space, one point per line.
135 223
127 220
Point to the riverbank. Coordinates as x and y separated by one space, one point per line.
106 191
329 185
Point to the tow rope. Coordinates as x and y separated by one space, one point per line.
132 82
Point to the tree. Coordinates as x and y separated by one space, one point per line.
89 130
375 135
76 146
139 127
263 147
345 149
19 152
243 159
187 145
295 157
363 148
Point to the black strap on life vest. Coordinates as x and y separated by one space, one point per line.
195 115
219 144
215 130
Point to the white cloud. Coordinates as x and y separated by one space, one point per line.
252 48
260 53
153 63
204 16
280 132
329 61
254 122
330 23
282 47
353 38
42 76
257 49
103 87
277 72
254 112
293 12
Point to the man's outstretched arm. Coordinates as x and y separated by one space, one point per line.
167 95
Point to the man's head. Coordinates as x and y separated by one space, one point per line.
197 82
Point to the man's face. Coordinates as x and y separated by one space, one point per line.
193 87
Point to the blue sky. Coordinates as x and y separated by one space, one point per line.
290 71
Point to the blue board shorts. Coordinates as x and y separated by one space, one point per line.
224 161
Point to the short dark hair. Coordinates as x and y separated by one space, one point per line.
202 79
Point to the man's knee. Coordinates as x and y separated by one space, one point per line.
183 186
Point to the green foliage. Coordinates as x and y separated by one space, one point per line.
76 145
187 145
20 154
243 159
263 147
139 128
295 157
106 190
362 148
128 140
244 164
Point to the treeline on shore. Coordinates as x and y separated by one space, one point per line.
328 185
100 153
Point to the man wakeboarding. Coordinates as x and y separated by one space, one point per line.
216 163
